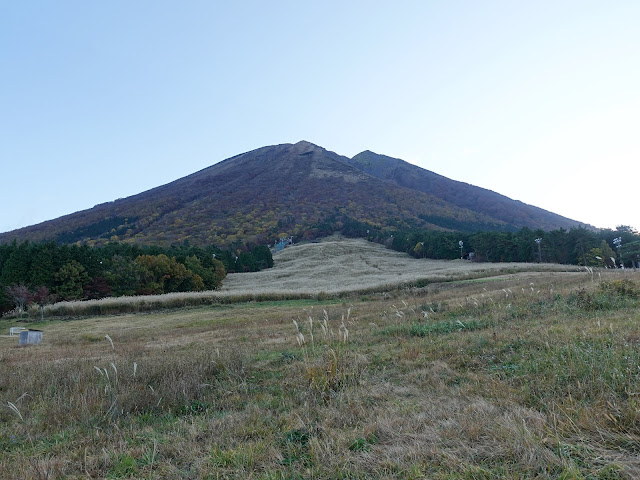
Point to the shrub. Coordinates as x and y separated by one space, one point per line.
620 288
609 294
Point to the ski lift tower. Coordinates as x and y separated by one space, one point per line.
618 243
539 241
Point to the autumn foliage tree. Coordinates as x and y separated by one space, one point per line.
168 275
20 295
42 296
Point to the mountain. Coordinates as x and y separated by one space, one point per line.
291 189
464 195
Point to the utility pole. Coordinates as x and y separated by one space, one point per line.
539 241
618 243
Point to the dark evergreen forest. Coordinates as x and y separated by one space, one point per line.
48 272
578 246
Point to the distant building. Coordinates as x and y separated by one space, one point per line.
281 243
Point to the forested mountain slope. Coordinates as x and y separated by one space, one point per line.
460 194
290 189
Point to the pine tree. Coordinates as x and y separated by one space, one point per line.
16 268
71 280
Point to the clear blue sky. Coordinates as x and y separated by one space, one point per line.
539 101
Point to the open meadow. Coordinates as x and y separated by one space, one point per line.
334 267
477 371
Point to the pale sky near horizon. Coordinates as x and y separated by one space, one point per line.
539 101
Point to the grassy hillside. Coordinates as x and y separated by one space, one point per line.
530 375
332 268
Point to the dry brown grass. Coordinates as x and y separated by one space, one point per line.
334 267
477 379
338 265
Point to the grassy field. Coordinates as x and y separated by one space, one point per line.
521 375
333 268
338 265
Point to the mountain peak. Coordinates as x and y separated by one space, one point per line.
287 189
365 152
305 143
304 148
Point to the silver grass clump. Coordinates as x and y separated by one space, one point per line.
299 335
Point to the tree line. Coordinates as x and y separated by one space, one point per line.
42 273
577 246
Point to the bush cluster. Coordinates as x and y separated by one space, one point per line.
47 272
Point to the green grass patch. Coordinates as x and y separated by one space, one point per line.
582 371
436 328
124 466
302 302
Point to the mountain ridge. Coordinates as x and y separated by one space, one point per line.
459 193
290 189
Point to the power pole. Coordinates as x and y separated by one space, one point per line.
618 243
539 241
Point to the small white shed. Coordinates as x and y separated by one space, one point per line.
30 337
